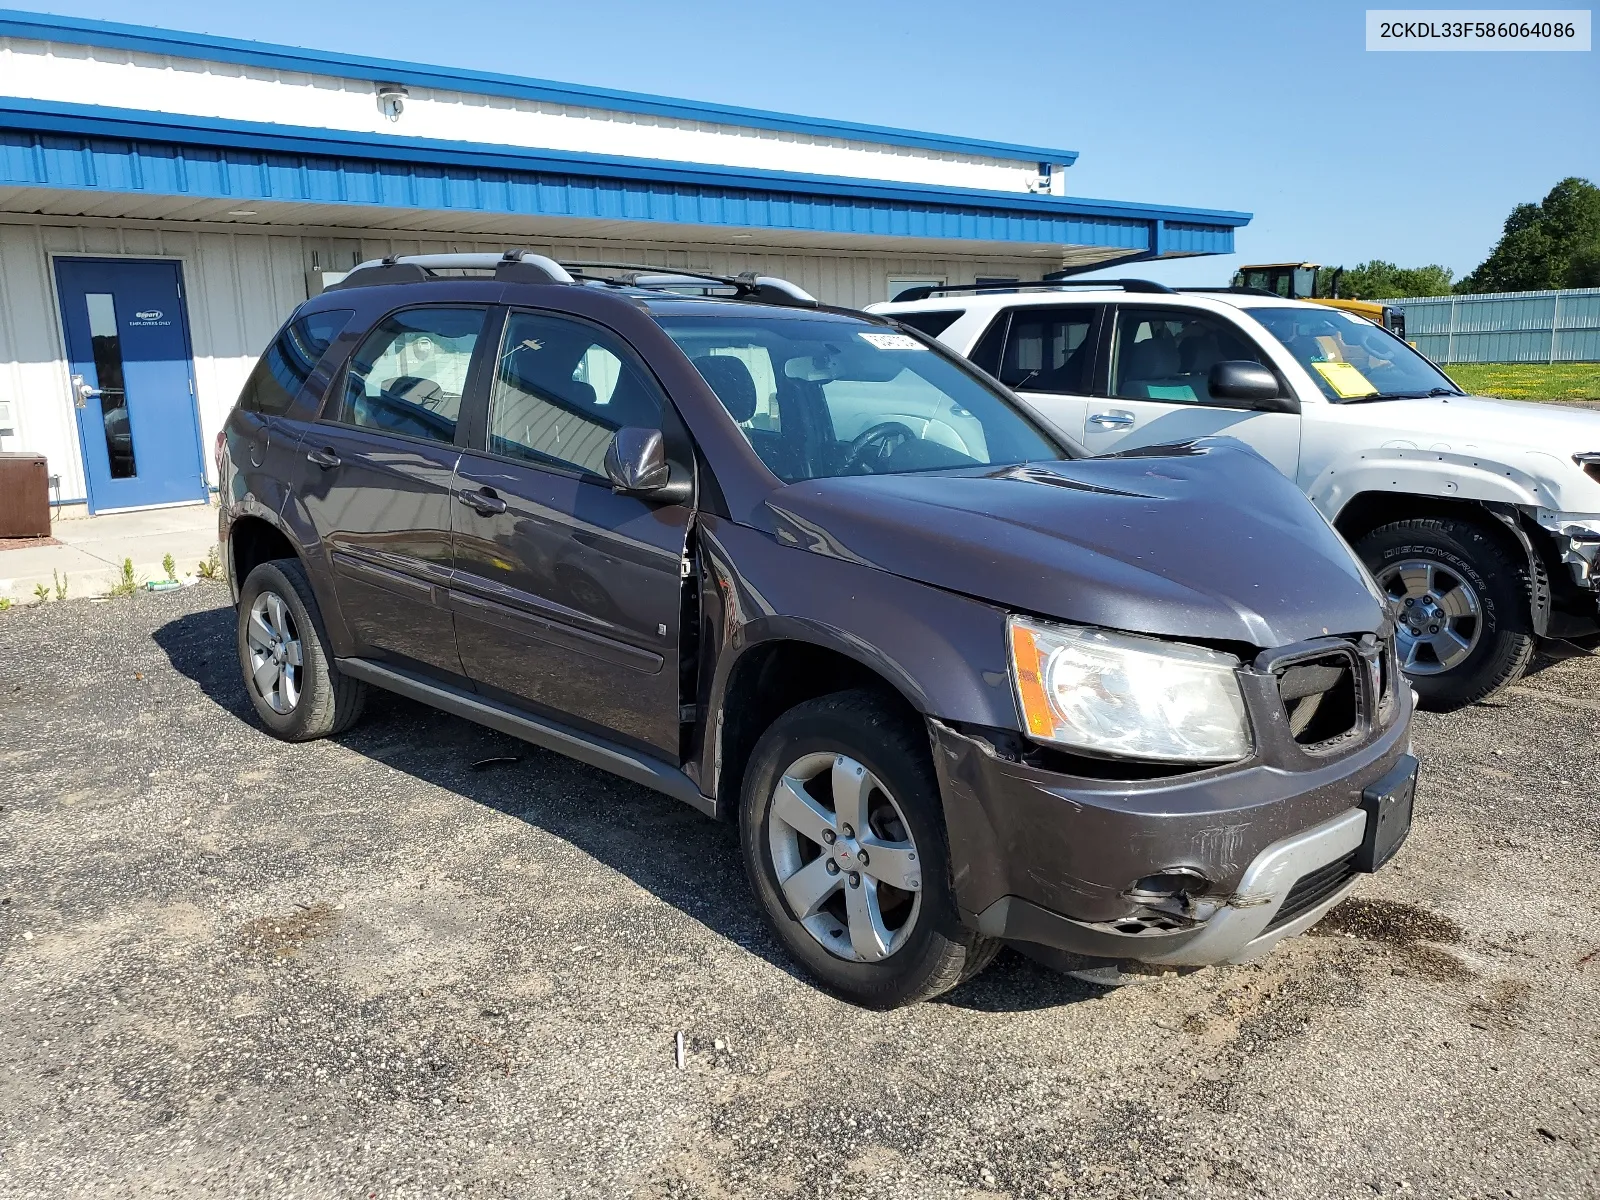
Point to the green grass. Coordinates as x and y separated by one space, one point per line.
1529 381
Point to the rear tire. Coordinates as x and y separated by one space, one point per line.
916 946
284 655
1497 582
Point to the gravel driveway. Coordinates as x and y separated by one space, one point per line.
392 966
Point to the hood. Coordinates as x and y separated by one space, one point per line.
1469 423
1201 540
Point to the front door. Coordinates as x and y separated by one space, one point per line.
566 593
1157 393
133 382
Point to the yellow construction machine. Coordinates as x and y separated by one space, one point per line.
1299 281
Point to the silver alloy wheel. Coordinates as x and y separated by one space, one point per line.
1439 618
276 656
844 857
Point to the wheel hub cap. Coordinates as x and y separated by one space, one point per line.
844 857
276 655
1440 622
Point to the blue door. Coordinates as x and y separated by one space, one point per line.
133 381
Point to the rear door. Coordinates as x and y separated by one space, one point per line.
376 478
566 594
1047 355
265 441
1155 386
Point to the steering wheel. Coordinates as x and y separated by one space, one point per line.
875 442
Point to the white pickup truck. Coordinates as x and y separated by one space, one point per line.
1479 517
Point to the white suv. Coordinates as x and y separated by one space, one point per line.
1481 518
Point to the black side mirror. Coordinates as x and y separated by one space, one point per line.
636 464
1250 383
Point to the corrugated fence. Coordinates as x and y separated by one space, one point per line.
1531 327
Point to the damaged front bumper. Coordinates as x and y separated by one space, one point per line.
1577 538
1238 929
1052 859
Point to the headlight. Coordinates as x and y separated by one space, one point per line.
1133 697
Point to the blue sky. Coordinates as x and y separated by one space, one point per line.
1271 108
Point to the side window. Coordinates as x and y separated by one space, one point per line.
1049 350
1166 354
289 361
410 373
561 389
986 354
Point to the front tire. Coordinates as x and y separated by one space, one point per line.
1464 599
285 658
844 842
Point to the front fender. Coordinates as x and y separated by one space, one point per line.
1443 474
943 652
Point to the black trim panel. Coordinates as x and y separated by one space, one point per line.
554 632
385 578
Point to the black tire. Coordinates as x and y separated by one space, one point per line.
1502 582
328 701
938 951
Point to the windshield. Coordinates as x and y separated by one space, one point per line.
1351 358
818 397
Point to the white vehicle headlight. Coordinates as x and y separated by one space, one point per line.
1132 697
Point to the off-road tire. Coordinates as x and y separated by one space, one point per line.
940 952
330 701
1501 579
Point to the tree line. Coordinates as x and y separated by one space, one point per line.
1552 244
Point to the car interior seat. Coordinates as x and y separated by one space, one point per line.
730 379
1152 369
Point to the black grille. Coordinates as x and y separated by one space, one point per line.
1320 697
1313 888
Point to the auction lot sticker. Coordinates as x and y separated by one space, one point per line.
1477 29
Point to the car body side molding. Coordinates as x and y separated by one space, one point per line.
597 752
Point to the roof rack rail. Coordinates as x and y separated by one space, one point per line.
514 266
523 266
1236 291
924 291
769 289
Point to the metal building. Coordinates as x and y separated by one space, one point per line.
167 198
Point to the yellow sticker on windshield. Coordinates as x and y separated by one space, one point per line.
1345 380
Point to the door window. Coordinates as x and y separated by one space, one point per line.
409 375
1167 354
289 361
106 346
1049 350
561 388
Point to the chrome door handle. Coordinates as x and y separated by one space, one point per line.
1116 419
483 501
326 459
83 391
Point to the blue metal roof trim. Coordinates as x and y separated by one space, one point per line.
113 35
139 125
29 159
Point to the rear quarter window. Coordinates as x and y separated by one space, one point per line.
290 359
930 323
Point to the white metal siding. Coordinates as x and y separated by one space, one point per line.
70 74
240 285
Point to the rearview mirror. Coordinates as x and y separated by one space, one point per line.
636 464
1249 382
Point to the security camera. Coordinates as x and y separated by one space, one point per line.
392 99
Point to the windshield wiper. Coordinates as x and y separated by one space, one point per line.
1438 391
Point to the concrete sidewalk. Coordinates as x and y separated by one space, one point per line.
92 551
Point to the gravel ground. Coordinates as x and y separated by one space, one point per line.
366 968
